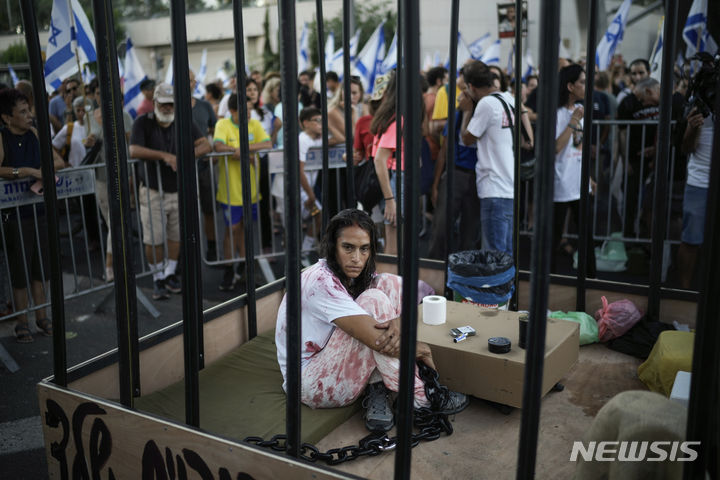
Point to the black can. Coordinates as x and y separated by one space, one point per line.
523 321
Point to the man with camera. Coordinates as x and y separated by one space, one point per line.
697 144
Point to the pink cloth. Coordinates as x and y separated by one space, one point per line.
337 375
389 140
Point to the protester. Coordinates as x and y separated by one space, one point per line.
568 161
20 158
351 328
230 191
147 87
60 107
336 110
489 126
153 140
333 83
307 94
261 112
639 70
310 137
213 95
270 95
74 138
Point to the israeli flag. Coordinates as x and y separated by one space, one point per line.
134 75
390 61
303 60
371 57
695 32
87 75
478 46
529 65
613 37
337 64
67 35
329 51
463 53
199 91
169 72
657 53
491 56
13 75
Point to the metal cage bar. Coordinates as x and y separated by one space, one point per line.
347 106
517 131
324 111
49 193
542 242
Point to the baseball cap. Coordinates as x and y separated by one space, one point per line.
164 93
381 84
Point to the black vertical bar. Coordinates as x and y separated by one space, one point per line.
187 198
518 144
119 203
400 72
347 105
245 159
288 46
325 200
706 355
542 241
412 114
450 139
48 173
660 194
584 227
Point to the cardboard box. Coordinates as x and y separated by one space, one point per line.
469 367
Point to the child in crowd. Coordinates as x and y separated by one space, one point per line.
310 137
229 194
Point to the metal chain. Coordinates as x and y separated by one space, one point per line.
430 421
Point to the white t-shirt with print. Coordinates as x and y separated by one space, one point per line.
77 147
324 299
305 143
495 168
568 163
698 169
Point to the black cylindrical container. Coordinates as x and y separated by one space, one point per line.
523 320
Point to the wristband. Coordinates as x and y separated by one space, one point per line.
390 198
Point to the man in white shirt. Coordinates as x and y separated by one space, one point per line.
489 124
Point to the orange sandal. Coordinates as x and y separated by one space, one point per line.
44 327
23 334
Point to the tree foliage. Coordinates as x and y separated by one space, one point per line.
271 60
15 53
367 18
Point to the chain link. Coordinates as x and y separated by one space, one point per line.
430 421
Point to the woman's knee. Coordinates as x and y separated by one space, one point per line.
376 303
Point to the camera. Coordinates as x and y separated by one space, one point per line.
703 86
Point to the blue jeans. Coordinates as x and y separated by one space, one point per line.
496 219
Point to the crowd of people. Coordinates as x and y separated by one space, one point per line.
481 210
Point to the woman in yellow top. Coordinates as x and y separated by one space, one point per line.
229 194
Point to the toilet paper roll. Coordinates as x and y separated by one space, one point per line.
434 310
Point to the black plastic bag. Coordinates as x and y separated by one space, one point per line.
479 263
640 339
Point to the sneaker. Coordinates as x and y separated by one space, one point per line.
160 292
172 284
455 402
230 279
378 411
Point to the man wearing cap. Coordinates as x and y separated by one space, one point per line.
153 141
147 87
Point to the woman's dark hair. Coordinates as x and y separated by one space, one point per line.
256 105
348 218
569 74
9 97
214 91
497 71
435 74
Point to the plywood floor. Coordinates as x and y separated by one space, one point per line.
485 442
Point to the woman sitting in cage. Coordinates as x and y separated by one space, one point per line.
351 327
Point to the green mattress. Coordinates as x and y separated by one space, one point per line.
241 395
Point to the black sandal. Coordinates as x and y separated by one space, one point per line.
44 326
23 334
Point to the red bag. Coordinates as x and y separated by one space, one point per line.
616 318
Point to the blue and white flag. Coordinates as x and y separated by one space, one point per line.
134 75
510 64
463 54
491 55
169 75
87 75
329 51
67 36
478 46
13 75
529 65
199 91
657 53
303 60
695 33
371 57
337 64
613 37
390 61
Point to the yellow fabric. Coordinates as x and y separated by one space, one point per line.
440 111
228 133
672 352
